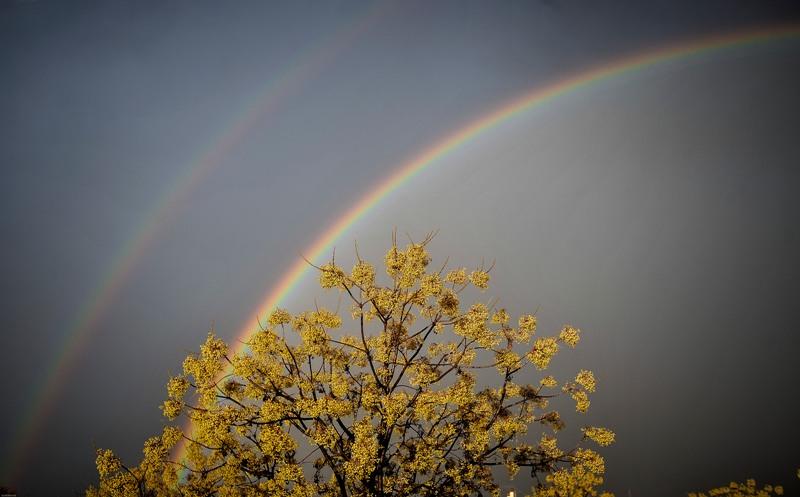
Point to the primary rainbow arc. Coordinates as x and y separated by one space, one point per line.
323 245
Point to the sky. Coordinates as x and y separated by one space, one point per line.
165 163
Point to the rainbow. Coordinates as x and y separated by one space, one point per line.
308 65
323 245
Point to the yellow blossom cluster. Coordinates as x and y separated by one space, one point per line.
580 479
570 335
279 317
548 381
107 463
602 436
527 323
458 277
480 279
331 276
586 380
363 274
745 489
363 451
543 351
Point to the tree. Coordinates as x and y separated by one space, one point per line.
745 489
393 409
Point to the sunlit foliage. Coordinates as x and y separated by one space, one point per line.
746 489
386 402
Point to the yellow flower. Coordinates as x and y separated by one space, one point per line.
548 381
586 380
512 390
325 318
746 489
527 323
154 450
422 374
363 274
549 447
171 408
602 436
461 393
581 400
543 351
323 435
457 276
480 279
591 460
214 349
364 451
507 360
170 436
476 441
339 385
394 261
448 302
430 284
177 386
570 335
279 316
170 476
500 317
416 260
331 275
107 462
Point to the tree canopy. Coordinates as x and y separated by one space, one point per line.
386 400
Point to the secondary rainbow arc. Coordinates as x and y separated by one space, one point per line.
324 243
303 68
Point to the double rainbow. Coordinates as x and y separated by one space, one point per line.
77 335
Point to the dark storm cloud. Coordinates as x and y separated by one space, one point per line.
105 105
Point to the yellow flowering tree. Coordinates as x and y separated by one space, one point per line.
387 403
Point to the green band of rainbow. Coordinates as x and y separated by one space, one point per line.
323 245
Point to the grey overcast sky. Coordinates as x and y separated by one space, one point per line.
657 211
